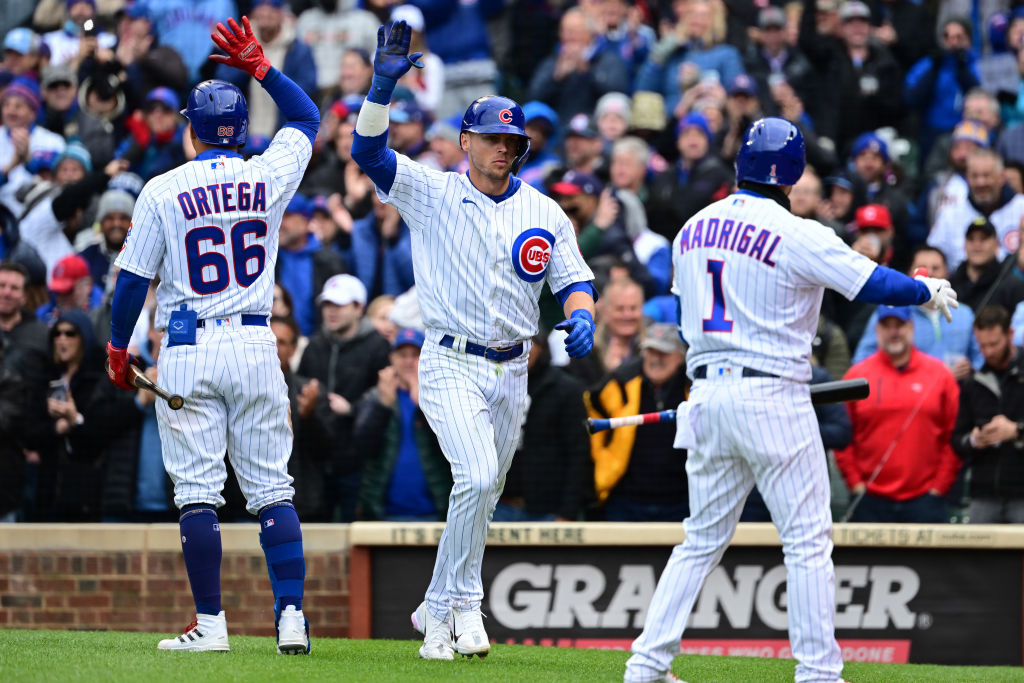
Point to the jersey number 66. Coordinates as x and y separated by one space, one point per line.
209 272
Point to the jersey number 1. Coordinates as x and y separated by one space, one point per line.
208 272
717 322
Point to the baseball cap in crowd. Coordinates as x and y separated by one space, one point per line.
115 201
582 126
26 89
21 40
320 204
854 9
40 160
577 182
970 130
411 14
902 312
827 5
841 179
343 290
129 182
301 205
614 103
662 337
66 273
869 142
164 96
272 3
693 120
873 216
58 73
408 336
984 225
648 111
771 17
742 84
77 151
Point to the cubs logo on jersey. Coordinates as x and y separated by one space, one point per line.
531 252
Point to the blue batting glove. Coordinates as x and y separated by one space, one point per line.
580 326
392 59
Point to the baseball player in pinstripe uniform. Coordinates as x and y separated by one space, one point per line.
750 278
209 229
483 244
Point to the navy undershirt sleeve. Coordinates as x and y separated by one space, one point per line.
891 287
298 109
129 297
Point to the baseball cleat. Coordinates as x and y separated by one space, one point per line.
292 632
469 634
206 632
437 643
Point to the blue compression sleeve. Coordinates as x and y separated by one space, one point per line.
129 297
587 287
381 88
295 104
891 287
377 160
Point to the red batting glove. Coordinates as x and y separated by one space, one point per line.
117 367
243 50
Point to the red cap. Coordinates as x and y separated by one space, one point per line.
67 272
873 216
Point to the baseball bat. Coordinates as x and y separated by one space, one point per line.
838 391
139 379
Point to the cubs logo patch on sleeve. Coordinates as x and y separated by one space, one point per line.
531 252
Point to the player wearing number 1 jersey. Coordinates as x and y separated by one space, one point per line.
209 229
750 277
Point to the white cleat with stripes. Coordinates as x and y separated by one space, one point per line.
206 632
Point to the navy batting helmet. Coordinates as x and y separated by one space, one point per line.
218 113
496 114
772 153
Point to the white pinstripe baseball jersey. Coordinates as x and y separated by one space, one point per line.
750 277
209 228
480 265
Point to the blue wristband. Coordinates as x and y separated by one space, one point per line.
381 88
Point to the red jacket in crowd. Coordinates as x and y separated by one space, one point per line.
923 458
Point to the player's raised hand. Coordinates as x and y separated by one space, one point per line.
392 59
943 296
243 50
580 327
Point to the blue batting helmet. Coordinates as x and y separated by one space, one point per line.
496 114
218 113
772 153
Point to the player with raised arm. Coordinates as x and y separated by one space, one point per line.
483 244
209 228
750 277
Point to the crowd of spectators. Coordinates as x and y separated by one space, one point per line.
913 114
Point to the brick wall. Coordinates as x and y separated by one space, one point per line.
132 578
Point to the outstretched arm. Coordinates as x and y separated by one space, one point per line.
245 52
391 61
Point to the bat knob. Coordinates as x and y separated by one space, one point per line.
175 402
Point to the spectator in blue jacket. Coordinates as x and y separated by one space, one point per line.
281 46
693 51
381 253
936 84
543 129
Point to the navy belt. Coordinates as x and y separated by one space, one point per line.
499 355
247 319
702 373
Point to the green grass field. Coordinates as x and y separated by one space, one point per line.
58 656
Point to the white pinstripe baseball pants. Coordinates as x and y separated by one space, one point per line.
235 401
763 431
476 407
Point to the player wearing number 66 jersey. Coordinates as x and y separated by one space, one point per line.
750 277
209 229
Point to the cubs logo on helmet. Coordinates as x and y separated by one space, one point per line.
505 116
531 252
